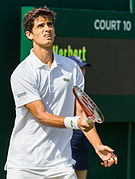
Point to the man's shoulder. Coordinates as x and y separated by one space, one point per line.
23 68
65 60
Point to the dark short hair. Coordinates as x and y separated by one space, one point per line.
28 21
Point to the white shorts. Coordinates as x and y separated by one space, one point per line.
68 173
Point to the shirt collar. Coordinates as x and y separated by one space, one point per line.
37 63
56 60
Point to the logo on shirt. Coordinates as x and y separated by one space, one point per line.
21 94
65 79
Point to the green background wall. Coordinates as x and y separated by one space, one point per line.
118 135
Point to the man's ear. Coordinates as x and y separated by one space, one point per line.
29 35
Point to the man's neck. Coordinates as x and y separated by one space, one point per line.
44 54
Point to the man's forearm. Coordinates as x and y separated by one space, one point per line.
93 137
51 120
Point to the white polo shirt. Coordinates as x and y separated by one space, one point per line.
32 145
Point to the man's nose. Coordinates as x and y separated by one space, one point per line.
46 27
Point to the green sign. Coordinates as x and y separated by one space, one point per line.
85 24
101 24
106 40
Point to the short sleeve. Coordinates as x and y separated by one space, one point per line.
24 89
79 78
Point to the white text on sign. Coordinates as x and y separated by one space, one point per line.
112 25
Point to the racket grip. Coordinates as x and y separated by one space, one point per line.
88 120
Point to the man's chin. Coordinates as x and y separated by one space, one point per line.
47 45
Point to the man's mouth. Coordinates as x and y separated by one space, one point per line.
48 36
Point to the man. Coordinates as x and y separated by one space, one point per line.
79 142
42 89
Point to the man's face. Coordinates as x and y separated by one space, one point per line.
42 33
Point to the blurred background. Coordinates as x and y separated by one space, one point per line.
101 32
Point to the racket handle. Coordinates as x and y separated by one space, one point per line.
88 120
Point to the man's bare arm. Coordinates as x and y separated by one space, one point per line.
45 118
38 110
103 151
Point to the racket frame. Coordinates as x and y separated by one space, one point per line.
88 105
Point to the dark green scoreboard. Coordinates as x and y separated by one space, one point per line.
106 40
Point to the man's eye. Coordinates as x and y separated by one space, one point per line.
50 24
40 25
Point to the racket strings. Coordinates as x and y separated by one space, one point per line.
82 93
89 100
89 105
85 100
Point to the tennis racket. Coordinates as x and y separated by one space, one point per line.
91 110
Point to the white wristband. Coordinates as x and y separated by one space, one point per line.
71 122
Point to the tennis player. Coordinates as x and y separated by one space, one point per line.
42 90
79 142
